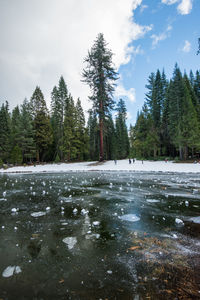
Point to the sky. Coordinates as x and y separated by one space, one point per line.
44 39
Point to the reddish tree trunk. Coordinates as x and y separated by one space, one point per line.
101 130
101 139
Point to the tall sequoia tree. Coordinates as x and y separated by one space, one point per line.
100 75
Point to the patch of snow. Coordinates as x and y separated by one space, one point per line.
147 166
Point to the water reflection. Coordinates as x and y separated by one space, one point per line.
120 235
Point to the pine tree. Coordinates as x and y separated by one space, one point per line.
100 75
93 133
28 145
121 131
5 133
69 148
42 127
81 134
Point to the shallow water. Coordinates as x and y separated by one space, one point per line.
100 235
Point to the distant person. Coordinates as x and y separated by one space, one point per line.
133 160
142 161
129 161
115 161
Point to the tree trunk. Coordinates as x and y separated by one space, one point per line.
101 139
181 152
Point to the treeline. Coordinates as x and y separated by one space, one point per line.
31 133
169 122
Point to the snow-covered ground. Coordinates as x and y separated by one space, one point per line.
122 165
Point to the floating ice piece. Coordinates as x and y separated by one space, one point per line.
96 223
195 220
4 194
10 270
179 221
109 272
186 203
152 200
14 210
84 211
48 208
130 218
175 236
3 199
43 192
70 241
38 214
75 210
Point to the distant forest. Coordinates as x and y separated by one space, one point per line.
169 122
167 126
31 133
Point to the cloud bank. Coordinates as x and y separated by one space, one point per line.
42 40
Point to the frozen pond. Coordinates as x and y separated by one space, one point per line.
100 235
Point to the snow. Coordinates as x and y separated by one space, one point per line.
122 165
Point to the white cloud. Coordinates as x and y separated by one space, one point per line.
187 47
161 37
169 2
185 7
41 40
143 7
122 92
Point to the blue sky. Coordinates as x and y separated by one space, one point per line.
42 40
178 43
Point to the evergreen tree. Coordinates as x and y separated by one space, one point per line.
100 75
5 133
93 133
81 133
69 148
121 131
42 127
27 143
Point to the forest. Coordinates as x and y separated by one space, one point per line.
168 124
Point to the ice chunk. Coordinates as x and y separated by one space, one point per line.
195 220
70 241
38 214
186 203
130 218
152 200
4 194
10 270
3 199
75 210
48 208
84 211
14 210
179 221
96 223
109 272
